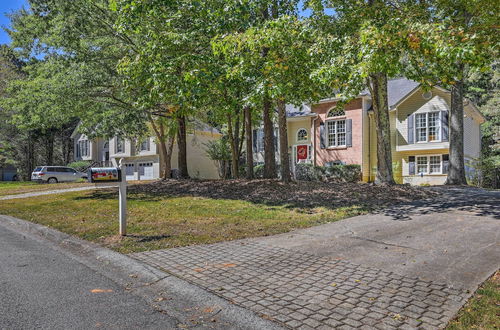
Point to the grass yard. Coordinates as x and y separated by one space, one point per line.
164 222
483 309
21 187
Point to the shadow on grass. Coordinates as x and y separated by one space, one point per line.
148 238
399 202
113 194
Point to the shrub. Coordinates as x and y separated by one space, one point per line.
307 172
258 171
80 166
344 173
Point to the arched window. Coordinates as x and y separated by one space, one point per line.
336 112
302 134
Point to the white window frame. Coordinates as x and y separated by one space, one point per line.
428 171
123 145
336 133
438 127
298 136
84 148
146 141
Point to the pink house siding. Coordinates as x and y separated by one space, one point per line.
350 155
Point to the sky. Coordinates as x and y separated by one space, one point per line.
6 7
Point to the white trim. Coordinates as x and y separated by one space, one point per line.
297 135
327 133
439 127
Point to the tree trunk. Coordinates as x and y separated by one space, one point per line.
182 145
233 133
283 136
456 172
249 142
269 151
378 88
49 148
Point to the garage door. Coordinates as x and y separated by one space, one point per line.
146 171
129 171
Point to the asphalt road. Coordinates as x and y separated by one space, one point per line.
41 288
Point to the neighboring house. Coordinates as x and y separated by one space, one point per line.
142 158
323 135
8 173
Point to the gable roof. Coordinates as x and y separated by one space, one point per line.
398 89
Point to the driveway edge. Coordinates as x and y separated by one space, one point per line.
191 305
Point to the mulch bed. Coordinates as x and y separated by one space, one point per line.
296 195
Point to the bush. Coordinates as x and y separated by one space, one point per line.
341 173
258 171
344 173
80 166
307 172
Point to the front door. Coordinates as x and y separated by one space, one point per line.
301 154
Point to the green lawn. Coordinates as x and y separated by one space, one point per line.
21 187
157 222
483 309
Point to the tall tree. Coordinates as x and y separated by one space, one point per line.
448 41
359 50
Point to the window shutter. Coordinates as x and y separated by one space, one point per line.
444 126
254 140
446 164
411 129
348 135
322 135
411 163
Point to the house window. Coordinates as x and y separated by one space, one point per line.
435 164
429 164
336 112
427 127
336 133
422 165
120 145
302 134
83 148
144 146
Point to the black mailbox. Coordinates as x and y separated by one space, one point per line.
105 174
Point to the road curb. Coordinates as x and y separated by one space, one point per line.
191 305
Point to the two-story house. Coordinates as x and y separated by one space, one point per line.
142 158
322 134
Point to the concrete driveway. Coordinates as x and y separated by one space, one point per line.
455 239
410 266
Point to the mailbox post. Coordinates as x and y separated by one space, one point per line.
122 196
109 177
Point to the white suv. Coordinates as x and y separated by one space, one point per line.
54 174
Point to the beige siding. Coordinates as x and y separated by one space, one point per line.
472 140
417 104
294 126
199 165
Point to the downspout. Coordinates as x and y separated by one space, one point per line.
314 138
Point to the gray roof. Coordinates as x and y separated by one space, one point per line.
398 89
294 111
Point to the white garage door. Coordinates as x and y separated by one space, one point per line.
146 171
129 171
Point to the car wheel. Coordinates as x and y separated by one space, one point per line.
52 180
